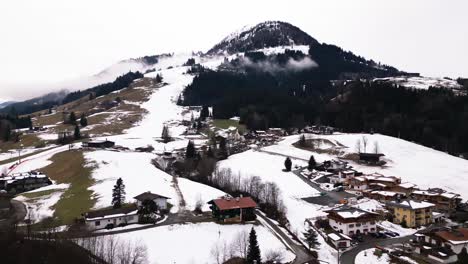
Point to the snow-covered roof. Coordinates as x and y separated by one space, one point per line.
407 185
385 193
412 204
334 236
111 213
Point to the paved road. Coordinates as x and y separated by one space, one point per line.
349 257
330 197
302 254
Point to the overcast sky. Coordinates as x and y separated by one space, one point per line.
48 41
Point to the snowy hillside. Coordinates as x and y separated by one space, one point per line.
414 163
421 82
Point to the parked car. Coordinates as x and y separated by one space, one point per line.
390 234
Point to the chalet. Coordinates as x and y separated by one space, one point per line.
384 196
373 182
342 176
371 158
99 144
339 240
22 182
444 201
412 213
159 200
238 209
352 221
440 244
456 239
407 188
110 218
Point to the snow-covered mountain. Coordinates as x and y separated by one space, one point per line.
264 35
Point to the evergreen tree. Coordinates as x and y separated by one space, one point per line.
204 113
209 152
463 256
312 163
190 151
72 118
77 133
165 135
253 252
83 120
118 194
311 238
159 78
288 164
223 151
302 141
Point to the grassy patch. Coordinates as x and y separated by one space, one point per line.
26 140
35 195
70 167
226 123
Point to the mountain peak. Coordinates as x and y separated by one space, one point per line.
263 35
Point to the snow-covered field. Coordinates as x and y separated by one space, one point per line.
414 163
139 175
269 169
198 243
40 208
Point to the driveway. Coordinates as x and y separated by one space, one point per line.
330 197
302 254
349 256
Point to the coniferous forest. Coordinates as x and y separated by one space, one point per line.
293 89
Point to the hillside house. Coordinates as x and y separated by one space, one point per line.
444 201
441 244
99 144
413 213
407 188
238 209
342 176
111 217
159 200
352 221
373 182
23 182
384 196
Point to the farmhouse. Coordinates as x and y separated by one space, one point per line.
159 200
384 196
99 144
22 182
441 244
238 209
109 218
411 213
352 221
456 239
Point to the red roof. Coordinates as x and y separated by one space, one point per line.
234 203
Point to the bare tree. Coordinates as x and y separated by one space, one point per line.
241 243
376 147
364 143
358 146
274 256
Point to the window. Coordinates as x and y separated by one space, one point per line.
358 224
372 222
351 225
97 223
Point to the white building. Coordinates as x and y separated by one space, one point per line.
339 240
159 200
113 217
352 221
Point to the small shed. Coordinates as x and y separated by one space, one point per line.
229 209
99 144
371 158
339 240
159 200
